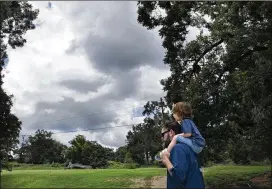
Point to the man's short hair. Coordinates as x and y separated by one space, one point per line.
175 126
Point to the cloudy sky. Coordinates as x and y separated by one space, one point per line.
85 66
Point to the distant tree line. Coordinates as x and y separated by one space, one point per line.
43 149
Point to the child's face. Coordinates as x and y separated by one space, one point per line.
177 118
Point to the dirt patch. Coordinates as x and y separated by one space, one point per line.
262 181
154 182
141 183
158 182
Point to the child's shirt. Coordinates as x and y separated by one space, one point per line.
188 126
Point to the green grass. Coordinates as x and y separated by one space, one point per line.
116 178
221 176
99 178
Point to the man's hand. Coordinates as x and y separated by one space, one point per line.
166 161
164 152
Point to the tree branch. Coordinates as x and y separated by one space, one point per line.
204 53
255 49
246 54
208 50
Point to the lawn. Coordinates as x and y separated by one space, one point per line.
223 176
115 178
99 178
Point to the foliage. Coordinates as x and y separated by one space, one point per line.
41 148
88 153
16 17
119 165
225 73
144 141
120 154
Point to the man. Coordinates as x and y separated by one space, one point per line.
182 165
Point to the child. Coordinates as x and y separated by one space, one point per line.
190 136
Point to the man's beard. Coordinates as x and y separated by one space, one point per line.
166 143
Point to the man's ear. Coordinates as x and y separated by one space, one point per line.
172 132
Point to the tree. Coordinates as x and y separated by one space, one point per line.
225 73
42 148
158 109
88 152
109 153
16 17
143 142
120 154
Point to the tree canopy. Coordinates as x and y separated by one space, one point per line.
16 17
225 72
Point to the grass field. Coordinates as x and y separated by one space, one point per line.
115 178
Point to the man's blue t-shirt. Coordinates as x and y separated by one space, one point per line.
186 169
188 126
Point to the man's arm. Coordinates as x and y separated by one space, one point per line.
179 165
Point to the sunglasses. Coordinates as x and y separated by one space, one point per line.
162 134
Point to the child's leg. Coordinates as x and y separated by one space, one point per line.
189 142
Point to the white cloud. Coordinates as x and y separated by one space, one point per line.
37 70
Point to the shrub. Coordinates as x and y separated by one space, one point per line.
57 165
210 163
119 165
264 162
131 165
229 162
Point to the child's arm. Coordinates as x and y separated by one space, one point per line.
186 135
172 144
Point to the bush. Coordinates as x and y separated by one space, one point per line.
16 165
210 163
57 165
119 165
229 162
6 165
131 165
116 165
264 162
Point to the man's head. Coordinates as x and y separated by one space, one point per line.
169 131
181 110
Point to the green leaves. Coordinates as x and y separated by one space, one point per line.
224 73
41 148
16 17
143 142
88 152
